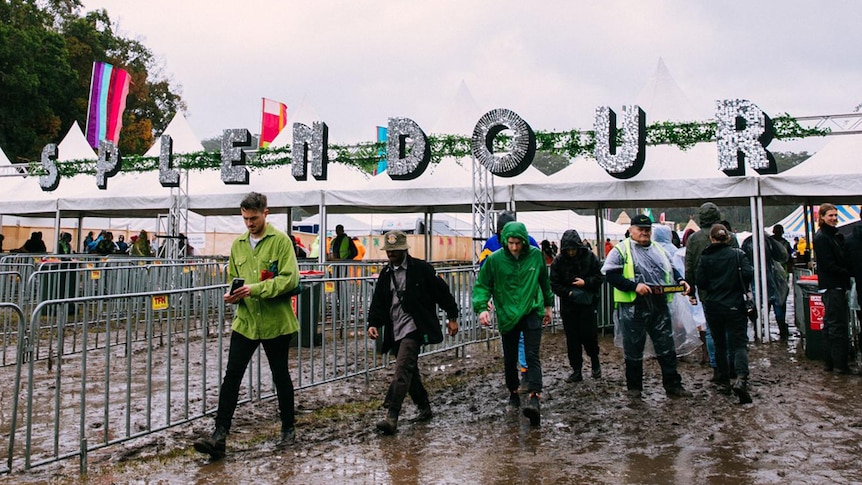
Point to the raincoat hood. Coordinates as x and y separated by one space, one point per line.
514 229
571 240
661 234
707 215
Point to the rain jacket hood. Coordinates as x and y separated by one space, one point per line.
707 215
661 235
571 240
514 229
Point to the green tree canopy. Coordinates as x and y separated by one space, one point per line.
47 50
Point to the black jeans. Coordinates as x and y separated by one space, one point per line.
730 333
239 355
648 315
836 321
407 378
582 334
531 326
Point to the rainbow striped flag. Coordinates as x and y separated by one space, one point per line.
272 120
108 90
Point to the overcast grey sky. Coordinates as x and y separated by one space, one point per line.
359 62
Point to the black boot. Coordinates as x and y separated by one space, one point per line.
287 438
783 329
740 388
531 410
388 425
214 446
425 414
597 367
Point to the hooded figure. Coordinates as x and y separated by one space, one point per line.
576 278
661 234
708 214
777 288
516 277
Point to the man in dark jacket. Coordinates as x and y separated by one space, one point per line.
404 303
708 214
576 278
833 277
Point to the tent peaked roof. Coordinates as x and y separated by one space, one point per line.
74 146
305 113
840 155
4 160
663 100
460 116
182 135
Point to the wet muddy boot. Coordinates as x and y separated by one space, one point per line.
723 387
597 367
214 446
740 388
514 399
783 330
716 377
287 438
425 414
388 425
532 410
677 392
575 377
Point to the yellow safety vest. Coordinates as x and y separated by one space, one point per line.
625 250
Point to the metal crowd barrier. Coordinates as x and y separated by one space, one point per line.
143 348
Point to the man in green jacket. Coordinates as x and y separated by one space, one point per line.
263 257
517 279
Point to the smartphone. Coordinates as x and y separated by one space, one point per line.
236 284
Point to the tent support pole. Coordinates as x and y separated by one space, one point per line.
56 229
321 230
761 328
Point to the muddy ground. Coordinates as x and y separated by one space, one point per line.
803 427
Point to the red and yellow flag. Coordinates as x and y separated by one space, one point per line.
272 121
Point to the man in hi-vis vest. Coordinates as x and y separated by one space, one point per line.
644 279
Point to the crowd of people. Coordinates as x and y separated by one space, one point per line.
515 289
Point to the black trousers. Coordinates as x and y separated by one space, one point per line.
836 321
730 333
241 350
582 333
531 327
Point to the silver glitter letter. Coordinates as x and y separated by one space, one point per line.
233 171
523 144
628 161
315 140
168 177
109 163
50 182
402 165
742 132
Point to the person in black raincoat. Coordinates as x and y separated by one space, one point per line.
724 276
576 278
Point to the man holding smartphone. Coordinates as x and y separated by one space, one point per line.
263 265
